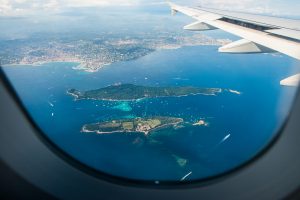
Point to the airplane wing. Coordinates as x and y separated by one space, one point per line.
261 34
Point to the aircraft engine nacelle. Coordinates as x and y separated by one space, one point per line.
198 26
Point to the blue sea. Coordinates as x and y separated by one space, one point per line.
240 125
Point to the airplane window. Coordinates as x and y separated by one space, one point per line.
121 87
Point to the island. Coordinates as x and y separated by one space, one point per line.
137 125
201 123
130 92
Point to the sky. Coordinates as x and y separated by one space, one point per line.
23 18
16 8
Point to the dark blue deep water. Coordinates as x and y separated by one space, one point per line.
240 126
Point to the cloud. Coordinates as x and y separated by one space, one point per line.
89 3
27 7
32 7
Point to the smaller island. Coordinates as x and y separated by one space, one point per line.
130 92
201 123
138 125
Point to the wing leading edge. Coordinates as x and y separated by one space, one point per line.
261 34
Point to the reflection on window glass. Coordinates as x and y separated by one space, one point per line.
122 88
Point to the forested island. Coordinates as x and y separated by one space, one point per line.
130 92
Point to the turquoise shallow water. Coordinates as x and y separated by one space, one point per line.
123 106
240 125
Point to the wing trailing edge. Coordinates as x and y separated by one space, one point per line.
262 31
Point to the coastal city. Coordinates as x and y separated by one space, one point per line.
95 51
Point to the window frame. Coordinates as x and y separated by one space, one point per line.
49 168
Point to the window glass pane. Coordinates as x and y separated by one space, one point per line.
122 88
